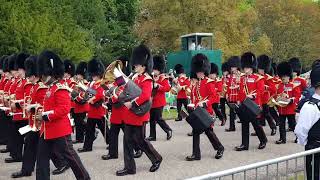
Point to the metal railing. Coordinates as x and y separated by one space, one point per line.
231 173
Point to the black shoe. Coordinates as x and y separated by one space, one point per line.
77 142
60 170
241 148
289 129
296 140
138 154
262 145
178 119
108 156
155 166
254 134
11 160
230 130
190 134
81 150
273 131
239 121
169 135
124 172
192 158
4 150
20 174
219 154
280 141
151 138
223 122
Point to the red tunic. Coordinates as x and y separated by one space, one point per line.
218 84
255 85
22 90
292 91
184 82
144 81
233 88
97 112
204 90
269 88
159 99
301 83
3 82
78 107
57 99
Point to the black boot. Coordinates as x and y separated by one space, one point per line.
60 170
20 174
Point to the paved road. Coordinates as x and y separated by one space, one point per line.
174 151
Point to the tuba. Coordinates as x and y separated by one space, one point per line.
108 76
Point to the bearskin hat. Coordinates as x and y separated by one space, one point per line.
264 62
315 76
2 59
315 63
142 55
82 69
200 63
12 59
159 63
95 68
5 64
50 64
284 69
234 61
214 69
248 60
225 67
69 67
179 69
19 63
296 65
274 68
30 65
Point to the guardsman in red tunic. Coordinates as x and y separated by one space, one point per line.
81 106
252 87
68 77
19 89
203 94
160 87
96 111
7 119
3 81
276 81
182 83
55 132
218 84
264 66
233 88
225 76
288 92
133 131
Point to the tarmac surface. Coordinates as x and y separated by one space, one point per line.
174 152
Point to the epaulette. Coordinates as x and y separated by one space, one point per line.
61 87
269 77
218 79
259 77
27 83
163 77
42 86
209 80
294 85
146 77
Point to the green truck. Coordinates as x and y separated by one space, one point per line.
192 44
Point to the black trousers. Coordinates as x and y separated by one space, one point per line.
245 125
309 146
215 142
217 111
266 116
64 145
223 102
274 114
16 140
282 125
114 138
133 136
292 123
3 127
91 129
156 117
80 125
30 154
181 102
233 116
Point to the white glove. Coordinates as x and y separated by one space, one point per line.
117 73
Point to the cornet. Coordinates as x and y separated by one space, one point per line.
36 118
26 102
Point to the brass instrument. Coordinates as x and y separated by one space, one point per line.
108 76
36 118
26 102
282 100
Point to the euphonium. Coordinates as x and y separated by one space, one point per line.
108 76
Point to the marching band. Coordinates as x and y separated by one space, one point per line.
44 100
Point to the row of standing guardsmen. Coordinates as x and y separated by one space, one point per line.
42 93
